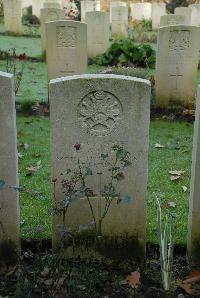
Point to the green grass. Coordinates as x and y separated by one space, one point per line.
176 136
30 45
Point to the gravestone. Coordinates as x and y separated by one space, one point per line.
116 4
194 202
86 6
9 203
47 15
158 9
12 16
98 112
141 11
66 48
37 5
186 11
119 22
98 32
172 19
97 5
176 65
195 15
52 4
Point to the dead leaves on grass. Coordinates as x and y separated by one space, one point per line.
134 279
175 175
191 285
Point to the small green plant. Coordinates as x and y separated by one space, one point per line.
166 244
15 64
75 186
124 52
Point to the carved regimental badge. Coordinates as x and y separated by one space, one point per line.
100 112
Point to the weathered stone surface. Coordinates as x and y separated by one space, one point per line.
12 16
176 65
36 6
115 4
99 111
140 11
86 6
194 203
186 11
119 23
158 9
195 15
98 32
172 19
48 15
51 4
66 48
9 204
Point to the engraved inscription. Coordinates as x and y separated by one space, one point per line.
100 112
66 36
176 76
179 40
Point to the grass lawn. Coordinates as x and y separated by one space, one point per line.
35 202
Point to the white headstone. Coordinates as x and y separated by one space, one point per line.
119 23
86 6
26 3
36 6
48 15
195 16
98 112
194 203
9 203
141 11
158 9
186 11
172 19
13 15
66 48
176 65
115 4
51 5
98 32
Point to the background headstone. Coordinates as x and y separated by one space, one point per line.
158 9
115 4
51 4
86 6
141 11
66 48
98 32
36 6
99 111
13 15
48 15
186 11
119 22
172 19
194 203
195 15
176 65
9 203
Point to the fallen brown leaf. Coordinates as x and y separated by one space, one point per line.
134 279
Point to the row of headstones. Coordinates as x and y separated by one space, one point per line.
13 10
157 13
95 36
67 47
97 111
